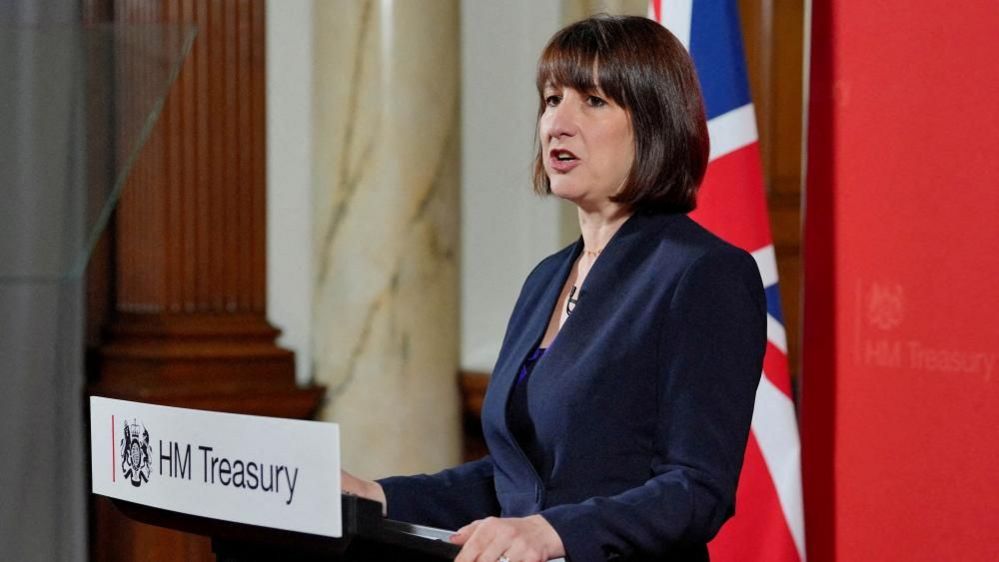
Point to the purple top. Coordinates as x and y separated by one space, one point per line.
518 411
528 365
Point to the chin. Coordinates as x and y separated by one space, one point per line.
565 190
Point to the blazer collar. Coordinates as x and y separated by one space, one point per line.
534 328
635 237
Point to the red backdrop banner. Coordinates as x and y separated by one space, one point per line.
901 356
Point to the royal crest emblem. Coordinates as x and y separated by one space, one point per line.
135 463
885 305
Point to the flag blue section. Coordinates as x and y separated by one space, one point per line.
716 47
773 302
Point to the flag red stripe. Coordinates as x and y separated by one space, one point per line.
732 205
731 202
758 532
775 369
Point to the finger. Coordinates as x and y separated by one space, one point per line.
461 535
525 548
473 538
520 551
490 541
515 550
492 552
473 552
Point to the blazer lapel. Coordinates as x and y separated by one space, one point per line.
632 235
534 329
635 239
505 374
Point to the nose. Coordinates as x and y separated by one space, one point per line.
560 121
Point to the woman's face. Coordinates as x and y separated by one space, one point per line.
587 145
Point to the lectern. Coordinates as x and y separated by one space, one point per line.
260 488
367 536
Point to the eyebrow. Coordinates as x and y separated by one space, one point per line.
596 89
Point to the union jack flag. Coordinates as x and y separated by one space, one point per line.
769 523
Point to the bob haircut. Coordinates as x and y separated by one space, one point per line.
642 67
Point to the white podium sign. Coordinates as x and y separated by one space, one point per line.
271 472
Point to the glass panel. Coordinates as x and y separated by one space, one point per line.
76 105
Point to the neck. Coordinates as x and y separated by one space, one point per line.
598 226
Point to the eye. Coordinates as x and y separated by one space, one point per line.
552 100
594 101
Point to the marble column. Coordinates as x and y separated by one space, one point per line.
385 322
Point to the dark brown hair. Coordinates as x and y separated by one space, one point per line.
644 69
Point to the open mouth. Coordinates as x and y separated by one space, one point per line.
561 160
562 155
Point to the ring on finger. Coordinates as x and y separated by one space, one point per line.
503 559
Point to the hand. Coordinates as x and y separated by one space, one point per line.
350 484
519 539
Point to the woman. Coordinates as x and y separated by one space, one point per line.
619 408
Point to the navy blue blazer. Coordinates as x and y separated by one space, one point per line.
641 405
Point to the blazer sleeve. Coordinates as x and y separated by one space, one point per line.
710 351
449 499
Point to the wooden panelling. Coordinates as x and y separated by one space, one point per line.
194 200
189 238
773 33
473 391
179 289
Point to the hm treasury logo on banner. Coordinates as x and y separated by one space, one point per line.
271 472
135 463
